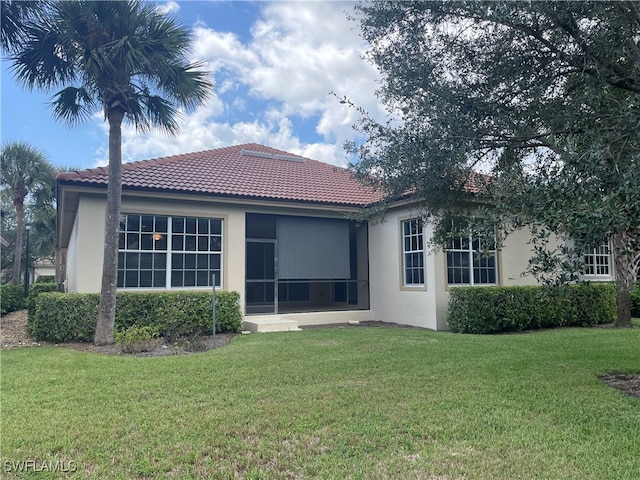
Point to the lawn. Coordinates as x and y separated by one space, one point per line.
366 403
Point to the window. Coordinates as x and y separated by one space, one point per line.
412 252
471 261
597 261
169 252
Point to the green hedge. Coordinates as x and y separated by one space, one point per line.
508 309
64 317
635 302
46 279
35 290
11 298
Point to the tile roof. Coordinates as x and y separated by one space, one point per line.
246 171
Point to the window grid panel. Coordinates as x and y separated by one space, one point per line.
148 245
597 261
466 265
413 252
196 253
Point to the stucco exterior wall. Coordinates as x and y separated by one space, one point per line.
426 307
86 276
84 270
514 257
71 282
85 257
391 301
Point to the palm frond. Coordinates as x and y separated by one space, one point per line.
160 113
14 15
185 83
73 105
42 62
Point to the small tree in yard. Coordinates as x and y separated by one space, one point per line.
543 97
125 57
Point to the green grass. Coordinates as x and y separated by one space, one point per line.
366 403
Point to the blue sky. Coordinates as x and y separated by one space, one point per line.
274 65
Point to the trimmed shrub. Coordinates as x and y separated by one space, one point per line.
509 309
136 339
635 302
593 304
228 312
65 317
72 316
35 290
11 298
46 279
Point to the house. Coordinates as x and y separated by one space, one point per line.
43 267
276 228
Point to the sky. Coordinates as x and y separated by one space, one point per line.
274 66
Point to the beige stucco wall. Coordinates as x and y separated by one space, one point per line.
71 282
390 300
514 257
84 260
84 268
85 254
426 307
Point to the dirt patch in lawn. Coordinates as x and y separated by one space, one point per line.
14 334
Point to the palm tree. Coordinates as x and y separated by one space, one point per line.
24 171
128 58
42 215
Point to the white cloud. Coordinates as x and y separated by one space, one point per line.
169 7
299 52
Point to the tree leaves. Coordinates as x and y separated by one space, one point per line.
541 97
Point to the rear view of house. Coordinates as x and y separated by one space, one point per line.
278 229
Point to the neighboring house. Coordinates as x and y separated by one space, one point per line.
276 228
43 267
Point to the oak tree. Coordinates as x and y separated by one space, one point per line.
534 107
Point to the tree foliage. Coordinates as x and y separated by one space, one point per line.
14 14
130 60
25 176
533 107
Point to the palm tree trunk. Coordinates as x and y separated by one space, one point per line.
107 307
625 278
17 257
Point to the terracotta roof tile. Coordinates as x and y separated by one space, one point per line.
248 170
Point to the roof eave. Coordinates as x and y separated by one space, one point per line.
227 196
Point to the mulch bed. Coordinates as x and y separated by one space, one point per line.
627 383
13 334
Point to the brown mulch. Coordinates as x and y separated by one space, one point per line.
627 383
13 334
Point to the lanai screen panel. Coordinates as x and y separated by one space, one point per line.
313 248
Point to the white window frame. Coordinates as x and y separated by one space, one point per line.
412 252
464 245
206 244
596 260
